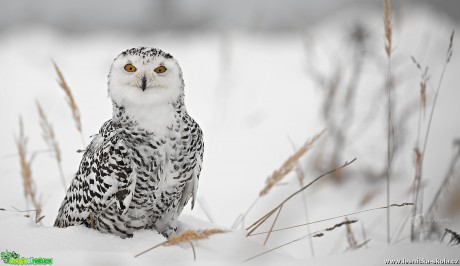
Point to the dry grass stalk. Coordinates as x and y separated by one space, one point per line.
423 82
414 230
273 225
264 218
453 202
301 177
50 139
26 171
319 233
363 230
445 183
205 208
187 236
299 173
418 154
418 172
288 165
390 135
70 101
37 218
351 239
335 217
346 222
388 29
368 197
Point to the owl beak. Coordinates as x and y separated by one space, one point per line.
144 83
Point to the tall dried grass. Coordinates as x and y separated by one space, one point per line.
335 217
351 239
288 165
187 237
453 202
340 88
319 233
50 139
420 153
390 132
70 101
301 177
279 207
25 162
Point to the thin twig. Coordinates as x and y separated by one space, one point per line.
444 185
300 177
240 218
335 217
205 210
193 249
70 101
273 225
319 233
288 165
421 158
26 170
259 222
388 48
50 139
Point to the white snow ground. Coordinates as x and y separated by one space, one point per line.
252 95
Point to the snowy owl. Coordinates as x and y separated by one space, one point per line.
143 166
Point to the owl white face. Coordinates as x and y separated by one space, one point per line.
144 77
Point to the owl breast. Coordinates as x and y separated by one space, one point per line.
158 163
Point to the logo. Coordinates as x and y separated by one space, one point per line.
11 257
420 219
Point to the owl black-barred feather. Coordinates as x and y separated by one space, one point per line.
143 166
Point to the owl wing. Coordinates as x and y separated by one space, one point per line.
105 177
194 149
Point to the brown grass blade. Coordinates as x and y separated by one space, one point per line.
70 100
26 171
187 236
351 239
336 217
259 222
414 230
445 183
273 225
388 29
288 165
319 233
292 163
390 130
51 141
193 249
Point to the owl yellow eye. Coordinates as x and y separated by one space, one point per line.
130 68
160 69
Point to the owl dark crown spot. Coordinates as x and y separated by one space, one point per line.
145 51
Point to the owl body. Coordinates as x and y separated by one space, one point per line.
143 166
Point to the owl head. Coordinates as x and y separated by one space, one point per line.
144 77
